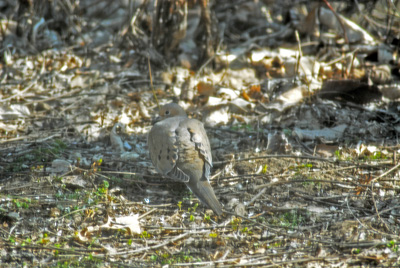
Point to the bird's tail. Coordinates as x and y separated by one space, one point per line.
203 190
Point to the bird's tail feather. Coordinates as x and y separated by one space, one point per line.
204 191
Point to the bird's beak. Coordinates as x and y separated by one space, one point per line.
155 120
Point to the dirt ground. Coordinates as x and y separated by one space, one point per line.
299 100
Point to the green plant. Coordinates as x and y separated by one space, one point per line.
92 260
44 240
49 152
256 245
299 167
145 234
56 252
338 154
102 190
392 244
192 210
12 240
213 235
246 230
264 169
291 219
276 244
45 153
287 132
376 156
22 202
235 223
94 168
170 259
27 241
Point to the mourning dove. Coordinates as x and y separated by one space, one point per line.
179 149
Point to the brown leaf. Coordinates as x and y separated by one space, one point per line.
326 150
245 96
254 92
205 88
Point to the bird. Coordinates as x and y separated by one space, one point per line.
180 150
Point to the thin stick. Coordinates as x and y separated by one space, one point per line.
339 20
20 92
387 172
151 82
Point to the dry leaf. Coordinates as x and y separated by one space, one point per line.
326 150
205 88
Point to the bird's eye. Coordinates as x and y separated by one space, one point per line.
167 112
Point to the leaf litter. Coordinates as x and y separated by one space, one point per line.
299 99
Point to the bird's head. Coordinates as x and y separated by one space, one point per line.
170 110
